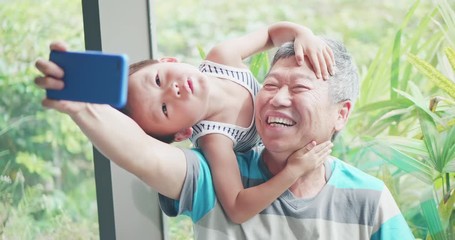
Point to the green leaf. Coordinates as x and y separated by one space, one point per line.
440 146
201 52
433 74
448 14
412 146
419 101
450 53
403 161
377 71
446 207
448 151
34 164
409 14
386 104
259 65
431 215
396 53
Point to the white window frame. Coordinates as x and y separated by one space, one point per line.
127 208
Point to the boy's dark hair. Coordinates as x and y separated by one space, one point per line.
140 65
127 111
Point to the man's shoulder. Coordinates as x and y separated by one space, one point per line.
347 176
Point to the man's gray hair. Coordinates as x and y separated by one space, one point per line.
344 85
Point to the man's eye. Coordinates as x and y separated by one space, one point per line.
300 88
164 109
157 80
269 86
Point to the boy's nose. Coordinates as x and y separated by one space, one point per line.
174 89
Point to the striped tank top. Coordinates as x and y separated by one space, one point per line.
243 138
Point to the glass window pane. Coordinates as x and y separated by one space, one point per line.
46 170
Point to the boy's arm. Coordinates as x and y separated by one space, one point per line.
119 138
241 204
232 52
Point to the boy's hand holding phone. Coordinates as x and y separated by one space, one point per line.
90 77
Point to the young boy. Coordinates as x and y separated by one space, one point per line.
214 105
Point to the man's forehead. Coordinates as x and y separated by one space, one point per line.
288 67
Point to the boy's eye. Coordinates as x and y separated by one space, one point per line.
157 80
164 109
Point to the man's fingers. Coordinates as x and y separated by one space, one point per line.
49 68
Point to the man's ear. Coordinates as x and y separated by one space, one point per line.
183 134
168 59
343 115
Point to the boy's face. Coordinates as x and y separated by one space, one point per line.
166 97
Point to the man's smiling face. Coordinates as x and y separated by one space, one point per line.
293 108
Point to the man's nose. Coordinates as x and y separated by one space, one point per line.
282 98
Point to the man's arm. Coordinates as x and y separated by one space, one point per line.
119 138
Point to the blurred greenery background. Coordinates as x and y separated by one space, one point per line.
402 129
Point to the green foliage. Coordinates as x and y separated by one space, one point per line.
43 155
46 176
414 128
433 74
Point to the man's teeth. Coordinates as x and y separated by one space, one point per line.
280 121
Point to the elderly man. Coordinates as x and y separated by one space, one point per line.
334 201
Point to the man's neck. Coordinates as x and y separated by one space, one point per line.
307 186
310 184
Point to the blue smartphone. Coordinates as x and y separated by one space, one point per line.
92 76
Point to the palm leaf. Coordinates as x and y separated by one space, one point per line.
259 65
403 161
433 74
450 53
201 52
377 71
412 146
413 44
396 53
431 215
446 207
432 140
419 101
448 151
448 14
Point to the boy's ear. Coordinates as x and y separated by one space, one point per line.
183 134
168 59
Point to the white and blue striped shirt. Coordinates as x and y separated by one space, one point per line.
243 138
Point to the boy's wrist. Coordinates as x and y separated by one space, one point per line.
293 171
